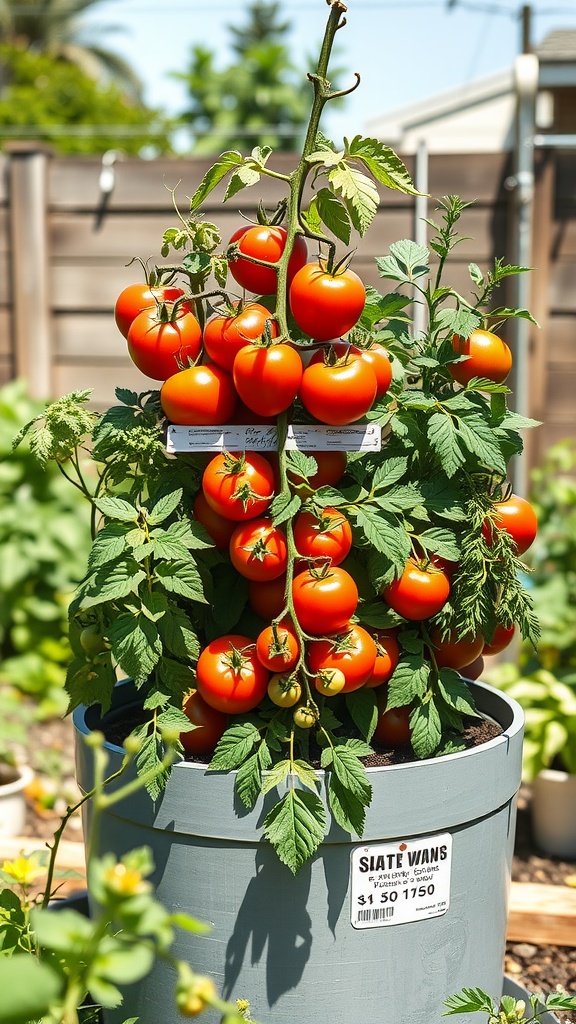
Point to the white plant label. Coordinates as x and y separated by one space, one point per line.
394 883
365 437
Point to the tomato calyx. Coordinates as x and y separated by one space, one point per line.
342 642
236 659
278 647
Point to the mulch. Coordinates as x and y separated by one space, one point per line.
537 968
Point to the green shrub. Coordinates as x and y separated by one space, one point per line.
44 540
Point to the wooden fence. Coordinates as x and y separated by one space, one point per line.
65 250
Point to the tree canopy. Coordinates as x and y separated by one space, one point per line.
260 99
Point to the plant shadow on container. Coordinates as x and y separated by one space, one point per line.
274 934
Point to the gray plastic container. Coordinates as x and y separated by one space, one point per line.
287 943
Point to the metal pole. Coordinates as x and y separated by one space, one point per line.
526 79
420 226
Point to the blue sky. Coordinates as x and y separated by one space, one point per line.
404 50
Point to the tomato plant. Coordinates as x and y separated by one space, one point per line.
326 305
377 357
278 647
501 639
331 468
324 600
137 297
267 378
456 650
419 593
338 394
238 486
517 516
264 242
224 335
488 356
353 652
258 550
327 535
210 725
330 682
229 676
160 347
202 395
305 717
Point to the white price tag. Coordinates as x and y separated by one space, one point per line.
399 882
365 437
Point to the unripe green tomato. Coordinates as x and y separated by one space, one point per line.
284 690
304 717
92 641
330 681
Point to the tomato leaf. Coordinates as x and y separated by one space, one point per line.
478 437
110 583
386 537
301 464
407 261
284 507
440 542
248 780
469 1000
408 681
234 747
389 472
181 578
108 545
376 614
363 710
426 728
358 192
333 214
295 827
347 809
443 439
306 774
275 776
177 634
382 162
456 692
226 163
136 645
311 217
242 178
117 508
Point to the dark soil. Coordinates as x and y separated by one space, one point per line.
538 968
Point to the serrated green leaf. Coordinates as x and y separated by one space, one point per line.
168 547
408 681
226 163
456 692
306 774
478 438
248 780
234 747
358 192
382 162
440 542
243 177
275 776
407 261
443 439
181 578
111 583
399 499
108 545
230 593
177 634
302 465
351 773
389 472
117 508
425 729
363 709
385 536
136 645
284 507
173 718
347 809
165 507
333 214
469 1000
295 826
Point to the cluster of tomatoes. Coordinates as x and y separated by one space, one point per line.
236 367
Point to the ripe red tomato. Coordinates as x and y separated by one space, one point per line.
387 657
331 469
238 486
353 652
419 593
489 357
229 676
218 528
160 349
258 550
518 518
326 305
267 379
137 297
327 536
267 599
278 647
500 641
224 336
393 727
338 394
210 722
377 357
264 242
474 670
324 601
456 652
202 395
